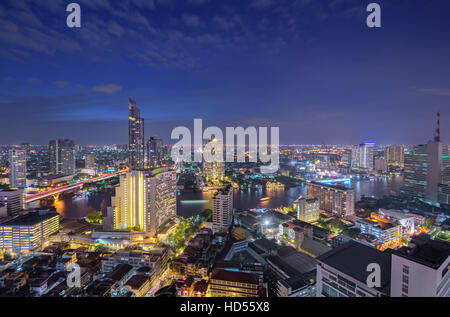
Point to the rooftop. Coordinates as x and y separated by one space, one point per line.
424 250
29 219
352 259
233 276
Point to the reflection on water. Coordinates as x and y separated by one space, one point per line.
188 204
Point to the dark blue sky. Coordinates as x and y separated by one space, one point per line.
311 67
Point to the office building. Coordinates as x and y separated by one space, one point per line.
154 152
222 209
308 209
342 272
395 155
13 199
17 169
89 161
214 171
28 233
225 283
136 143
425 169
338 200
421 269
143 201
362 156
62 157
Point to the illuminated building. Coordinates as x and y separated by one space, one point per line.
214 171
385 231
135 136
425 168
17 169
143 201
62 157
27 233
338 200
308 209
362 156
89 160
395 155
225 283
13 199
154 152
222 209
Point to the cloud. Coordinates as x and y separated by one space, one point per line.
436 91
61 83
34 80
107 88
260 4
191 20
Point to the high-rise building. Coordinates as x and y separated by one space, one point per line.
154 152
136 143
425 168
308 209
62 157
13 199
362 156
380 164
89 160
395 155
222 209
17 169
338 200
27 233
214 171
143 201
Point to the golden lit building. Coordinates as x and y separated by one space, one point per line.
143 201
214 171
395 155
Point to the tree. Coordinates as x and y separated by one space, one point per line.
428 223
95 217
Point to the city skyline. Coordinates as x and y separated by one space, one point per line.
313 69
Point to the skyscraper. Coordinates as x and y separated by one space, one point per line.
214 171
154 152
62 157
222 209
143 201
335 199
136 143
17 168
89 160
362 156
394 155
425 169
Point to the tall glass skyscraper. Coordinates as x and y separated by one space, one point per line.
62 157
136 143
154 152
17 168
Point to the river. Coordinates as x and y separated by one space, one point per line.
74 207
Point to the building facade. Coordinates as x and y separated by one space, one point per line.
143 201
222 209
17 169
27 233
308 209
338 200
362 156
154 152
136 143
13 199
395 155
62 157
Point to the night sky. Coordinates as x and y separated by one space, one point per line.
311 67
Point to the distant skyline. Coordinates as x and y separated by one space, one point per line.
312 68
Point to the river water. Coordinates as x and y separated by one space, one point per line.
79 206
